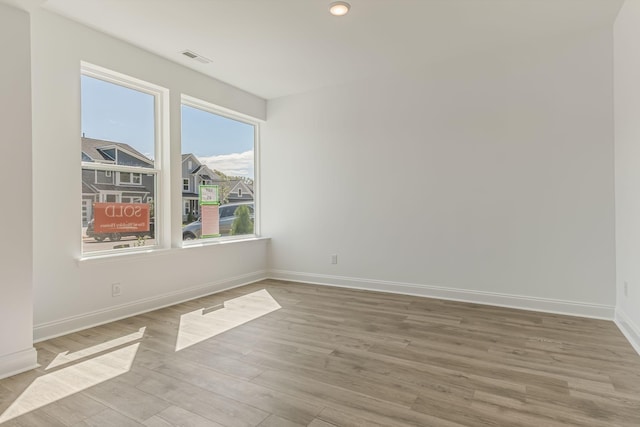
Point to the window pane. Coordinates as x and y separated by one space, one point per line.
217 151
123 116
117 216
119 175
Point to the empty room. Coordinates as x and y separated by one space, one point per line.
320 213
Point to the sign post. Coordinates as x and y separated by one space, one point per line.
209 211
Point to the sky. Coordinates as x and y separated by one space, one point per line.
115 113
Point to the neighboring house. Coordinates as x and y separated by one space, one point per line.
237 190
112 186
194 174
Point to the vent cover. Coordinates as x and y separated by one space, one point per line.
195 56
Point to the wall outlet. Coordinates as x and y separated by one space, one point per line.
334 258
116 290
626 289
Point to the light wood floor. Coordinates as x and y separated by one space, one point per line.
322 356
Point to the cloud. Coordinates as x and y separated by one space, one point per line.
236 164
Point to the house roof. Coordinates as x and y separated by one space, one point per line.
88 189
94 149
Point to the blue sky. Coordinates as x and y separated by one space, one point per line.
116 113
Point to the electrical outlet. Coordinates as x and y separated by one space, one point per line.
334 259
116 290
626 289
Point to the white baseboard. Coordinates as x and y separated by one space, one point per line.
71 324
630 330
15 363
571 308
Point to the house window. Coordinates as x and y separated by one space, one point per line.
110 197
121 138
131 199
185 184
130 178
225 157
239 192
190 165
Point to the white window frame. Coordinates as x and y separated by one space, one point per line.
208 107
161 155
186 187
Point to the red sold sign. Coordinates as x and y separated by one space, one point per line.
120 217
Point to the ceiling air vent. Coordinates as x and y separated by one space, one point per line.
199 58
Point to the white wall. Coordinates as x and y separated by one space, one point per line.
16 309
68 294
493 174
627 159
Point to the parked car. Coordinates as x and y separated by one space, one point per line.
193 230
114 237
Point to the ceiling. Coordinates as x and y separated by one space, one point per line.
274 48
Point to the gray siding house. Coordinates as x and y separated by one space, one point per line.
112 186
194 174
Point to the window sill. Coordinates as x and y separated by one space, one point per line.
143 254
221 241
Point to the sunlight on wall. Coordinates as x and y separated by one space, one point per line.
73 379
197 326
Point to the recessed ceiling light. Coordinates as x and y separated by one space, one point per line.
339 8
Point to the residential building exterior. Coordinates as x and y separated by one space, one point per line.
113 186
194 174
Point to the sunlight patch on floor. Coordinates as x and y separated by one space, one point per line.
197 326
57 385
65 357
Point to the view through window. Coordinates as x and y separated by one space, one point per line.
218 179
119 170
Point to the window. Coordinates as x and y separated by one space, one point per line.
131 199
222 146
121 122
130 178
106 197
239 192
185 184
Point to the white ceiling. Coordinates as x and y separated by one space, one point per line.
274 48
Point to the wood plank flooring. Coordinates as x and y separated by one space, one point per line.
323 356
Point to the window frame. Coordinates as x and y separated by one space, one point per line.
193 102
160 169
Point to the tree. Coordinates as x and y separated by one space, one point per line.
242 223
